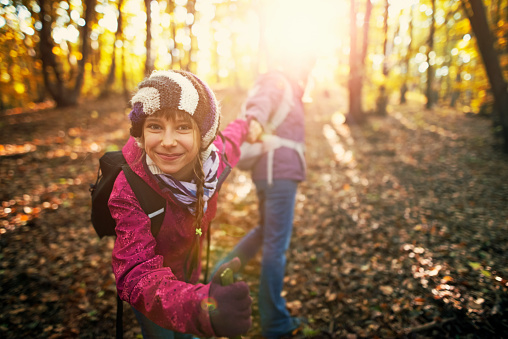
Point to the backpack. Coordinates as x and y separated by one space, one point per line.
110 165
251 153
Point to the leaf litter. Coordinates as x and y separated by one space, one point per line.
400 228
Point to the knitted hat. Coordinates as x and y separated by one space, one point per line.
180 90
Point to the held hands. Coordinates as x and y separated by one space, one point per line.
232 315
255 131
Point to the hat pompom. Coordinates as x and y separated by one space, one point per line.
137 117
137 114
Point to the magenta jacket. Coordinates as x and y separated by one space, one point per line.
149 271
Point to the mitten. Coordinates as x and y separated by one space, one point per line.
232 314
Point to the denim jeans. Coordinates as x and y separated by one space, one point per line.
276 211
151 330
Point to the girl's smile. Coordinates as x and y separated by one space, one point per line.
172 143
170 157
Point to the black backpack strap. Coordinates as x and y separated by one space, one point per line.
119 317
151 202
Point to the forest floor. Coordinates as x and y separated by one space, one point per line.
400 229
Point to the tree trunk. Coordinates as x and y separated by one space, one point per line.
456 88
110 80
450 41
148 60
191 8
429 93
356 64
485 41
355 104
366 26
60 93
172 29
48 59
382 99
385 43
404 87
124 74
85 48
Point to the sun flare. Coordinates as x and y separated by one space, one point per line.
296 28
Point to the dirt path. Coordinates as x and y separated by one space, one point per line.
400 229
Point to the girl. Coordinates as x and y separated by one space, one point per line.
174 147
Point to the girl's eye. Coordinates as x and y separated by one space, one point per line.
153 126
184 127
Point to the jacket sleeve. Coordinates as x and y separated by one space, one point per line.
264 98
235 134
141 278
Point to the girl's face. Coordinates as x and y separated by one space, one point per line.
172 142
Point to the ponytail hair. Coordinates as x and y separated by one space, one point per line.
193 257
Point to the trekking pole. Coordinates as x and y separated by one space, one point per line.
226 278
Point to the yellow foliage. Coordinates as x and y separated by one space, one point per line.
56 50
5 77
463 26
15 70
29 42
19 88
378 79
13 54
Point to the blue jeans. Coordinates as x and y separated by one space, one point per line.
276 211
151 330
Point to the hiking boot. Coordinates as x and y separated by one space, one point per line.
296 332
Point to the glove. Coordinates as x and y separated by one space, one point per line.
231 317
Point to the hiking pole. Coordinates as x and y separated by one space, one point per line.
226 278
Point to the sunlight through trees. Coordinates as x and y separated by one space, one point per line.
60 50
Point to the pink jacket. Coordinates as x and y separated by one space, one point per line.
149 271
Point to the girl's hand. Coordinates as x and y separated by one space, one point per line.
255 131
232 315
